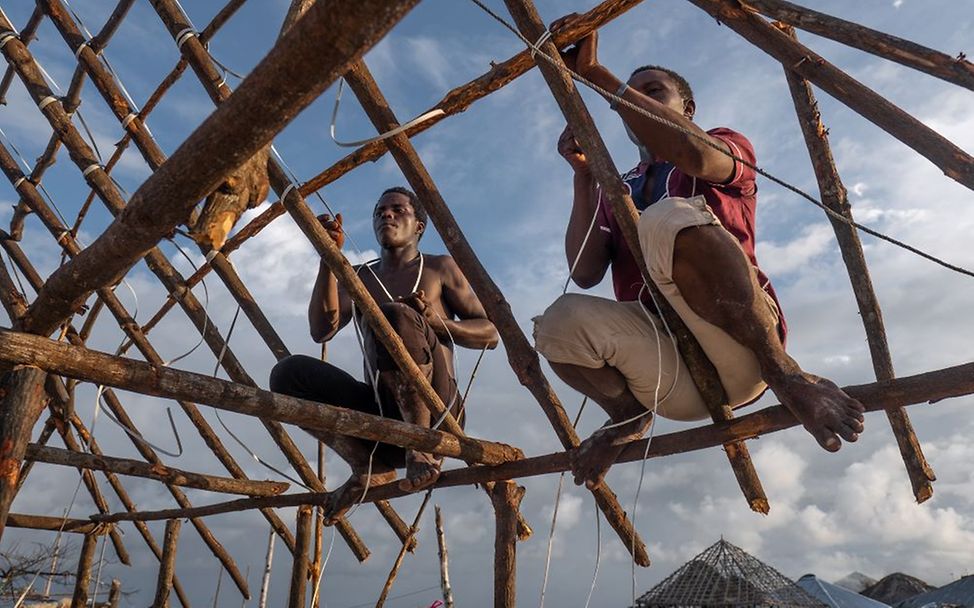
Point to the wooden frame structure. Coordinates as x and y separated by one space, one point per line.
42 373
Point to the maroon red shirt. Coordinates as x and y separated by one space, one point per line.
733 203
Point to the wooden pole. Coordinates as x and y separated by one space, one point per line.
82 578
444 560
24 398
833 195
394 572
299 568
102 368
929 387
954 162
167 566
265 583
158 472
603 169
956 70
44 522
506 497
115 593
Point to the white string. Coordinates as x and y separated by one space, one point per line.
46 102
240 442
544 37
101 563
324 564
89 169
81 47
7 37
206 305
382 136
183 36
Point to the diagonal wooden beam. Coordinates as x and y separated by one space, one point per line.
167 565
291 76
956 70
954 162
701 369
931 387
834 196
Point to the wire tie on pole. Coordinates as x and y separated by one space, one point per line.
91 167
183 36
46 102
6 37
19 181
211 255
81 47
291 186
541 40
128 119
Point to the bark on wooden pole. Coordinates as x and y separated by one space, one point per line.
506 497
82 578
44 522
23 401
603 169
833 195
167 567
68 360
299 568
954 162
929 387
956 70
394 572
444 560
171 476
115 593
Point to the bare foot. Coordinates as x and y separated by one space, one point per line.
592 458
422 471
341 499
822 408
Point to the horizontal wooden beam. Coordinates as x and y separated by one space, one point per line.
43 522
929 387
158 472
132 375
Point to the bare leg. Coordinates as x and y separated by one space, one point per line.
607 387
422 469
718 283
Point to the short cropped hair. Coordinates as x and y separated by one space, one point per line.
681 83
417 206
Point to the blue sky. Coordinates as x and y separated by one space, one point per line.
496 166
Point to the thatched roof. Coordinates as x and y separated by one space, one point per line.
725 575
896 587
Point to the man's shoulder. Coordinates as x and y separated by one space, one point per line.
439 262
730 135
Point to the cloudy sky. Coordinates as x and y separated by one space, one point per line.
496 166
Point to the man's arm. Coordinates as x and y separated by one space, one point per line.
330 308
595 256
691 155
472 328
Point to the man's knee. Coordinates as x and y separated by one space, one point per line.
285 373
565 315
662 226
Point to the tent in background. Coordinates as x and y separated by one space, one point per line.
836 596
957 593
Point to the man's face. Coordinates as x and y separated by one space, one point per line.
394 221
662 88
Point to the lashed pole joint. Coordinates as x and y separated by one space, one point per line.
701 369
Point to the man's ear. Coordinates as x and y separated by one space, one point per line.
420 229
689 108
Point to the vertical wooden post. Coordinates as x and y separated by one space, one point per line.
265 584
167 566
834 197
83 576
299 569
506 497
115 593
23 400
444 560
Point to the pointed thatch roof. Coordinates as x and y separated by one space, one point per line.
894 588
836 596
724 575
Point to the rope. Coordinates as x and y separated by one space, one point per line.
382 136
619 101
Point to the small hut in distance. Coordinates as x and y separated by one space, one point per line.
725 575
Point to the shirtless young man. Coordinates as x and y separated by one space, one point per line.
696 232
429 303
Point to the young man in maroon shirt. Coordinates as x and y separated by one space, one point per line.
697 235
